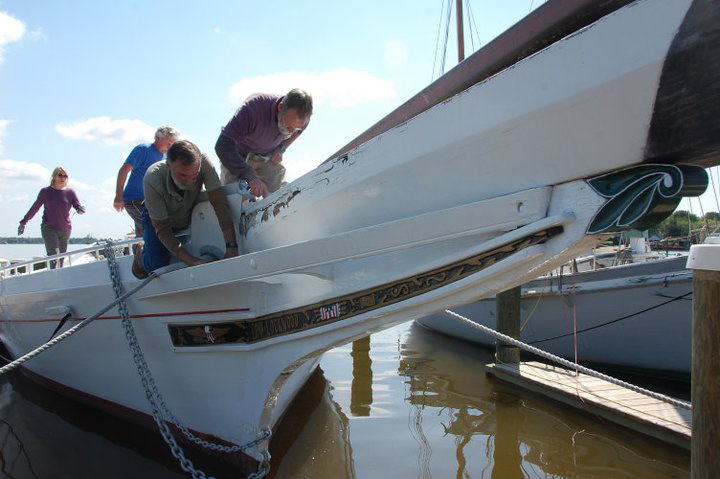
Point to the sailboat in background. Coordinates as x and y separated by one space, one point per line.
595 315
601 317
544 152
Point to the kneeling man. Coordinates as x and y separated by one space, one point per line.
171 191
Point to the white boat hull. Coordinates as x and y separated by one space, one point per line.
634 317
478 194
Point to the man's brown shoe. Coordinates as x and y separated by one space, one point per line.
138 270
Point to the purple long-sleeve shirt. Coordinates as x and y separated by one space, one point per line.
254 126
57 205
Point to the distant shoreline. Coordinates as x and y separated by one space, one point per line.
17 240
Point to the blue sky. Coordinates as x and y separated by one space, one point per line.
82 82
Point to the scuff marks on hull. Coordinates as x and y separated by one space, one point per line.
250 219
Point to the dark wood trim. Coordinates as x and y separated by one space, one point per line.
347 306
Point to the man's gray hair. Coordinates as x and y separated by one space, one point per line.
166 131
300 100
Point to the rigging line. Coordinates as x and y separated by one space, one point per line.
702 214
469 22
527 320
467 15
712 181
437 39
670 297
447 33
676 298
473 25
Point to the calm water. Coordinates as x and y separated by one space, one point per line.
404 403
29 251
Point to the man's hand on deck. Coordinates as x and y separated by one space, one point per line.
257 187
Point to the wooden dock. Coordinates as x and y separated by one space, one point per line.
617 404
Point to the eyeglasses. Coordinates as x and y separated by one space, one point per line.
60 175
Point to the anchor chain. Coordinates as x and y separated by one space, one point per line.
160 411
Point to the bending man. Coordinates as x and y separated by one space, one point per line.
171 191
251 145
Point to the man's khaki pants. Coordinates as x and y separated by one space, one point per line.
270 173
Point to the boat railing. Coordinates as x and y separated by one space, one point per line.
92 253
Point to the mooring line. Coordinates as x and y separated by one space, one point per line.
569 364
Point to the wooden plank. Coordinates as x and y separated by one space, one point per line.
615 403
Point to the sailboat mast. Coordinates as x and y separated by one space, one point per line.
461 40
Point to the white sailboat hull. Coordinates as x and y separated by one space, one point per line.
634 317
478 194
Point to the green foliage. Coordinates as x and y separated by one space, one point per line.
682 222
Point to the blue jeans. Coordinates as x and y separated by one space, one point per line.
155 255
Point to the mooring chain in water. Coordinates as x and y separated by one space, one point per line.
160 411
569 364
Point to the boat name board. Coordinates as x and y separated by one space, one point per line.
344 307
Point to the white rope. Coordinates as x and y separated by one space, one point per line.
9 367
568 364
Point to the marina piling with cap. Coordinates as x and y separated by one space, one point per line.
705 261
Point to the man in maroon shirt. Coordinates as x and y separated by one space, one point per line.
251 145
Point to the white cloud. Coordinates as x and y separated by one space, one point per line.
109 183
5 199
298 166
79 185
395 53
110 132
3 131
23 171
37 34
11 30
338 88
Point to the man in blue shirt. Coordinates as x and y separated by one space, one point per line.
141 157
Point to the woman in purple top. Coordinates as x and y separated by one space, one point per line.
57 200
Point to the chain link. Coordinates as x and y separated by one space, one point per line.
160 411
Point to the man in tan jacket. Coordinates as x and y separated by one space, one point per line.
171 192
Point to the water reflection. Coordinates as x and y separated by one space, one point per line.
14 460
506 454
510 432
361 389
46 436
405 403
317 447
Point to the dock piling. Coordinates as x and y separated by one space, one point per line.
508 322
705 261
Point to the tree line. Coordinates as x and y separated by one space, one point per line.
682 223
